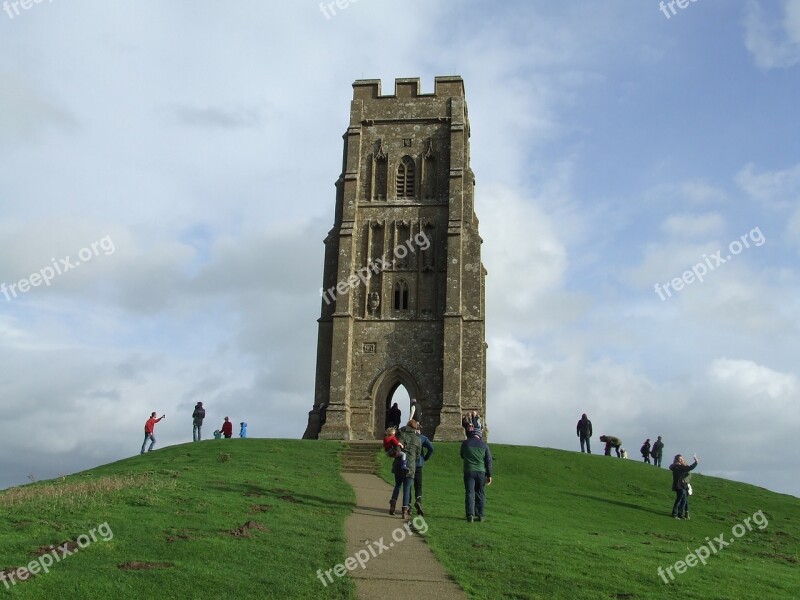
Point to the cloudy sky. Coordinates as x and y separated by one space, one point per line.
168 167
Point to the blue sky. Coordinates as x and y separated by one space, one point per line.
613 148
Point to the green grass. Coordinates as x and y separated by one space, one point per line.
572 526
559 525
180 508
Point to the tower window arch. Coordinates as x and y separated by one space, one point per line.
405 178
400 295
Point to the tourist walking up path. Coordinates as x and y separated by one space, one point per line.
403 563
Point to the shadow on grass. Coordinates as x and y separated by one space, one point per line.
618 503
254 491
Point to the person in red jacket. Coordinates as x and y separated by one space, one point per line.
227 428
149 431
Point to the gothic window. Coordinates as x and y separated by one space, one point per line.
400 295
405 178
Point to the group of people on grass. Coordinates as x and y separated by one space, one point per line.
680 469
410 449
584 432
225 431
198 416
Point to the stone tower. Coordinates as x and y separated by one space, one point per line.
403 285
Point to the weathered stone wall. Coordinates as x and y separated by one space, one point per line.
404 252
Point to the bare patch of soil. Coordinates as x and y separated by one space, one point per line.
68 545
244 530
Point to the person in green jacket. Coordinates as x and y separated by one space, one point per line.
412 446
477 474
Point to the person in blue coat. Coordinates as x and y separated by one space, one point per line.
242 430
425 455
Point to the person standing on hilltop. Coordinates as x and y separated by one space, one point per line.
680 485
197 421
227 428
657 451
645 450
477 474
149 431
584 431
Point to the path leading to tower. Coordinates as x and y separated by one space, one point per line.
394 552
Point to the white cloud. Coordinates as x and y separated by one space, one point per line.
691 192
793 229
26 112
776 189
773 42
689 225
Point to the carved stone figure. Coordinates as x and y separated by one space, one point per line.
374 302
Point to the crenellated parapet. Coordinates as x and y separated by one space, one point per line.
449 86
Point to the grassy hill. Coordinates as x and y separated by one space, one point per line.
257 518
574 526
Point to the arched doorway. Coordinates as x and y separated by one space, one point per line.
395 384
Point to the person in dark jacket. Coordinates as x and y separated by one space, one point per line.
197 421
657 451
645 450
611 442
477 474
227 428
425 455
680 485
394 416
412 446
584 431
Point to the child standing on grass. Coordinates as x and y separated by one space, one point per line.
394 448
227 428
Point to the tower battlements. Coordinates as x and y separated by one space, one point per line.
447 86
